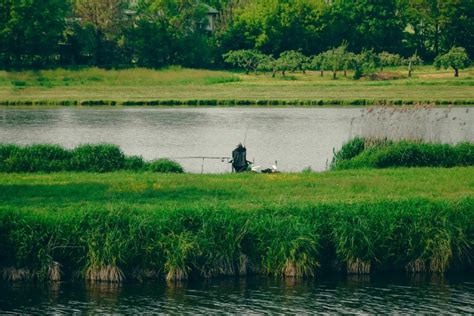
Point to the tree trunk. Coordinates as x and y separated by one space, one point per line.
283 72
456 72
322 73
98 48
345 73
334 75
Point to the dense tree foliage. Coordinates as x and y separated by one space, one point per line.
456 58
31 31
155 33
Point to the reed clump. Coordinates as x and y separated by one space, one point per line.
121 242
383 153
89 158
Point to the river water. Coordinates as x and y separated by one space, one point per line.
295 138
396 294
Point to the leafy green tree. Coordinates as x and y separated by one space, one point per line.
335 59
247 59
269 63
274 26
365 63
436 25
456 58
389 60
185 22
102 28
349 62
292 61
30 31
318 62
365 24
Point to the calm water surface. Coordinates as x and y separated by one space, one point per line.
395 294
295 137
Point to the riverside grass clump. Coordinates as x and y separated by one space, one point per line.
382 153
118 243
89 158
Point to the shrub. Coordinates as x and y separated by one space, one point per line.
165 166
35 158
363 153
97 158
134 163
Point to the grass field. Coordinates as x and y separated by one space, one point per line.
118 226
68 191
92 84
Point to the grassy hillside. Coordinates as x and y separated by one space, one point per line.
92 84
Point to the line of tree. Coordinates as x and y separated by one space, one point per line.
155 33
339 59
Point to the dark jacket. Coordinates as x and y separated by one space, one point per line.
239 159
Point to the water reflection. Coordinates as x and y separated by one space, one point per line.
295 137
397 293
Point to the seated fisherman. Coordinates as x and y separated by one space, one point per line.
239 159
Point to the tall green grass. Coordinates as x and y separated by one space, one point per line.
89 158
122 242
373 153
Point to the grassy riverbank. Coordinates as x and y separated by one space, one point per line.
176 86
142 225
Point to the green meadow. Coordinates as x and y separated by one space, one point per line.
174 85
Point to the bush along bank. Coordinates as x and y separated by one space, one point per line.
121 243
236 102
374 153
89 158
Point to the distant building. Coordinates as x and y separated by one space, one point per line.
211 17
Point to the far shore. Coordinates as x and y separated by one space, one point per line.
182 87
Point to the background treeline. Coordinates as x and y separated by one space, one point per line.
155 33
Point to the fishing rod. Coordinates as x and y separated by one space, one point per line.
246 133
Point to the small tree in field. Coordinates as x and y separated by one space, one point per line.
317 62
349 62
456 58
388 59
365 64
269 63
413 61
336 59
292 61
245 59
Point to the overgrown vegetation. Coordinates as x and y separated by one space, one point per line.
118 226
114 243
89 158
374 153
